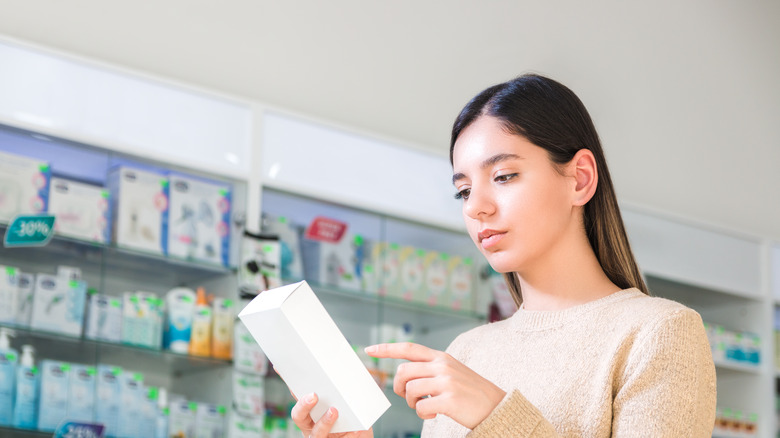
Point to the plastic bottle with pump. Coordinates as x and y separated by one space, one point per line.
200 343
27 393
8 361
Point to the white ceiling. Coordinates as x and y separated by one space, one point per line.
686 94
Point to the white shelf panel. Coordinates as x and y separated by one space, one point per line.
737 366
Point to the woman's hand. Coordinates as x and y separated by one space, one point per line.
433 382
301 415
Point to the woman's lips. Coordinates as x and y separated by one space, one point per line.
490 238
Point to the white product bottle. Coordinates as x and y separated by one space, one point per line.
8 360
178 328
161 429
26 404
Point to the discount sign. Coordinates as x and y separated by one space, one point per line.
35 230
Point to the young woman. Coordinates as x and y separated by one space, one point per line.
589 353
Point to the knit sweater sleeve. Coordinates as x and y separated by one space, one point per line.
666 388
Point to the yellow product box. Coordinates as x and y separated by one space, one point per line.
436 278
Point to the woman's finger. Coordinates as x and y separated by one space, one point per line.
428 408
301 412
408 371
323 427
419 389
403 350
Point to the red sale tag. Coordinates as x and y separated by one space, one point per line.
326 229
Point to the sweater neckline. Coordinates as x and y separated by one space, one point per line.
545 319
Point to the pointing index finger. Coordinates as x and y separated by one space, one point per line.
402 350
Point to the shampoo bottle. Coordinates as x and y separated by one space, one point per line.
8 360
200 343
178 327
26 404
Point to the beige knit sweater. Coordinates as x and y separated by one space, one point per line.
627 365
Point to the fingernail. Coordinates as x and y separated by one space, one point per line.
331 412
370 349
309 399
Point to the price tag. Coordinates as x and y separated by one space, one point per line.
33 230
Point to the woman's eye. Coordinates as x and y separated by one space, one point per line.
463 194
505 178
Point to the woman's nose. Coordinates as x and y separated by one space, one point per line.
479 204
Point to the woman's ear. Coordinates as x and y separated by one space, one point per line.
586 175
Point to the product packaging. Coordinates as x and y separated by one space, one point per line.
182 418
139 209
25 299
58 305
412 273
387 257
199 221
248 394
142 319
132 398
222 333
337 264
108 402
290 242
147 427
178 328
81 393
9 294
200 343
248 357
55 383
461 286
9 358
210 420
242 426
260 265
82 210
311 355
24 186
27 391
104 318
436 278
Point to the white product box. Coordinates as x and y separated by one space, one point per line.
108 400
132 399
58 305
335 264
436 279
181 423
312 355
104 318
142 316
461 287
25 299
24 186
199 220
81 395
139 209
249 393
210 420
289 238
248 357
387 260
82 210
55 382
412 273
9 293
242 426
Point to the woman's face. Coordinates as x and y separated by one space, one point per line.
516 205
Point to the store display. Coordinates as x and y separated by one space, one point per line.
55 382
24 186
58 304
8 363
734 423
199 221
81 210
222 334
81 393
290 323
104 318
139 208
733 346
9 294
337 263
290 245
27 391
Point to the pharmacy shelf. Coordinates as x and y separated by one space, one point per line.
719 434
65 348
110 258
728 365
11 432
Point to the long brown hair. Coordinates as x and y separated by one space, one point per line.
551 116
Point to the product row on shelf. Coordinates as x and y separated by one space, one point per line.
729 346
731 423
150 210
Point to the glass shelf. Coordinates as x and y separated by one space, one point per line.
57 346
730 365
11 432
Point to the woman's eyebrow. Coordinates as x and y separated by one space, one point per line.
489 162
